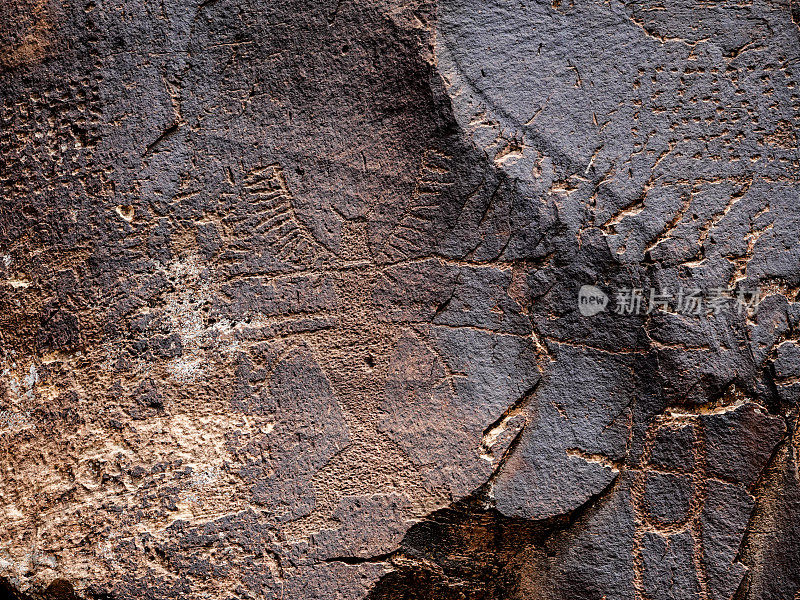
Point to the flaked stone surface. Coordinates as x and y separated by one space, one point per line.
289 299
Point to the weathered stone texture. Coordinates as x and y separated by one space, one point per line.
289 299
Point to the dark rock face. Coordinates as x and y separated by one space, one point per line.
339 300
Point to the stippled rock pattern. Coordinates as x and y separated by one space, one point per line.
288 299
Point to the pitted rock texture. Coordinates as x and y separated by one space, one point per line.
289 299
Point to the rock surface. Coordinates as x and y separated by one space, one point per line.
291 299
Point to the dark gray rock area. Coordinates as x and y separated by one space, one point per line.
436 299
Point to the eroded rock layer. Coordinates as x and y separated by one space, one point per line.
347 299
